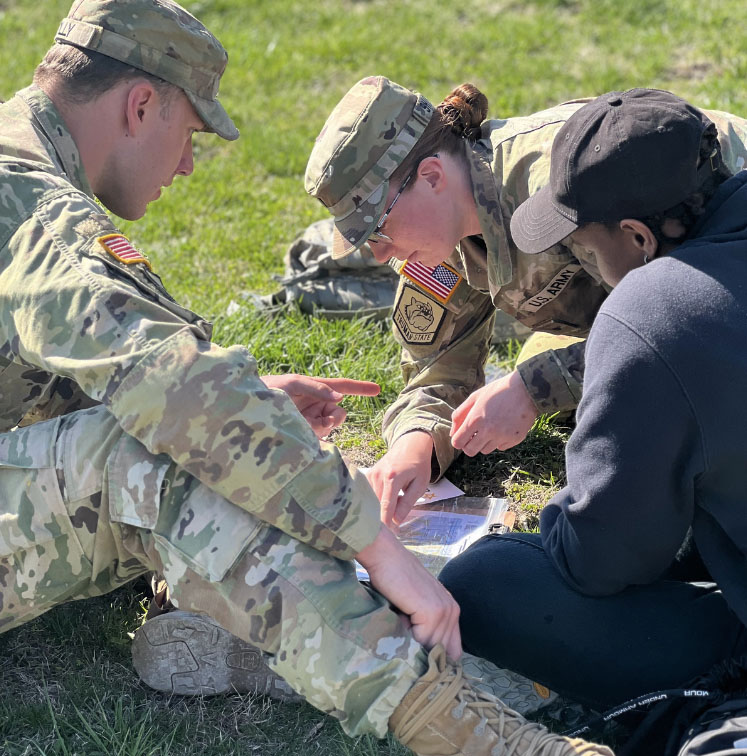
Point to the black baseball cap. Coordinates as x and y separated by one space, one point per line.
623 155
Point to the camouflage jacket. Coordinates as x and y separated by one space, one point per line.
443 317
84 320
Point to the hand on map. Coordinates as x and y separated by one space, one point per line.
317 399
397 575
497 416
401 476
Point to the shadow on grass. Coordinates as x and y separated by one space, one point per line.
527 475
69 688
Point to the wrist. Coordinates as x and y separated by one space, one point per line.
418 446
519 388
416 442
383 547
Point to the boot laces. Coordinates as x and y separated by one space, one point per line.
451 687
515 732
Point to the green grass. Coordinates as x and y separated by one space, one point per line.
68 687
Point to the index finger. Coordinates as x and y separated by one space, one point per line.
462 433
460 413
453 643
388 501
447 632
351 386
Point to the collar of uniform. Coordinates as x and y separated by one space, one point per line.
51 122
480 158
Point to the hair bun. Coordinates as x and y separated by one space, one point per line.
464 109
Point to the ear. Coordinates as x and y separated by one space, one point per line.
640 236
140 104
431 169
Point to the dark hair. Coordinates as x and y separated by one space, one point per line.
457 118
692 207
80 75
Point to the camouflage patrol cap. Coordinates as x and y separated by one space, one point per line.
366 137
160 38
623 155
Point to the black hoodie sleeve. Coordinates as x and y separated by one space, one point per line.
632 465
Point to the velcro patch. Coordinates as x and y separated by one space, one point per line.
440 282
417 317
120 249
560 280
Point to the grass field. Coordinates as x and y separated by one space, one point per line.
67 685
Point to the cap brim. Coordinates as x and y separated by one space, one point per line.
341 247
352 231
215 116
537 224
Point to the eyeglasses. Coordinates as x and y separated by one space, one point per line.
377 230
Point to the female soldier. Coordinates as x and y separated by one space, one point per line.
435 189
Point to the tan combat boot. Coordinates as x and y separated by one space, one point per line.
444 715
192 655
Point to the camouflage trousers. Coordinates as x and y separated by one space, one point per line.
84 508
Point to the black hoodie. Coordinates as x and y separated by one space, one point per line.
661 441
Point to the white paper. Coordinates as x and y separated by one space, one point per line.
444 489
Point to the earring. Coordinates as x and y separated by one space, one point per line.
646 260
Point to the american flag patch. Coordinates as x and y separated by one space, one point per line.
119 248
439 281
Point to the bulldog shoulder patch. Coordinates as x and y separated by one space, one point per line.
417 317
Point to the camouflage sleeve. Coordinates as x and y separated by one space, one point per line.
441 369
67 310
732 136
62 396
554 378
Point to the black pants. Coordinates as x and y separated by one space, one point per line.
519 613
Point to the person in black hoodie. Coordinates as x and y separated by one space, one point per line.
637 581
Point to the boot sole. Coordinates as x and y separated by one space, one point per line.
191 655
516 691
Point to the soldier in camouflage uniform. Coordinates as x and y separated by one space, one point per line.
353 286
461 177
130 443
